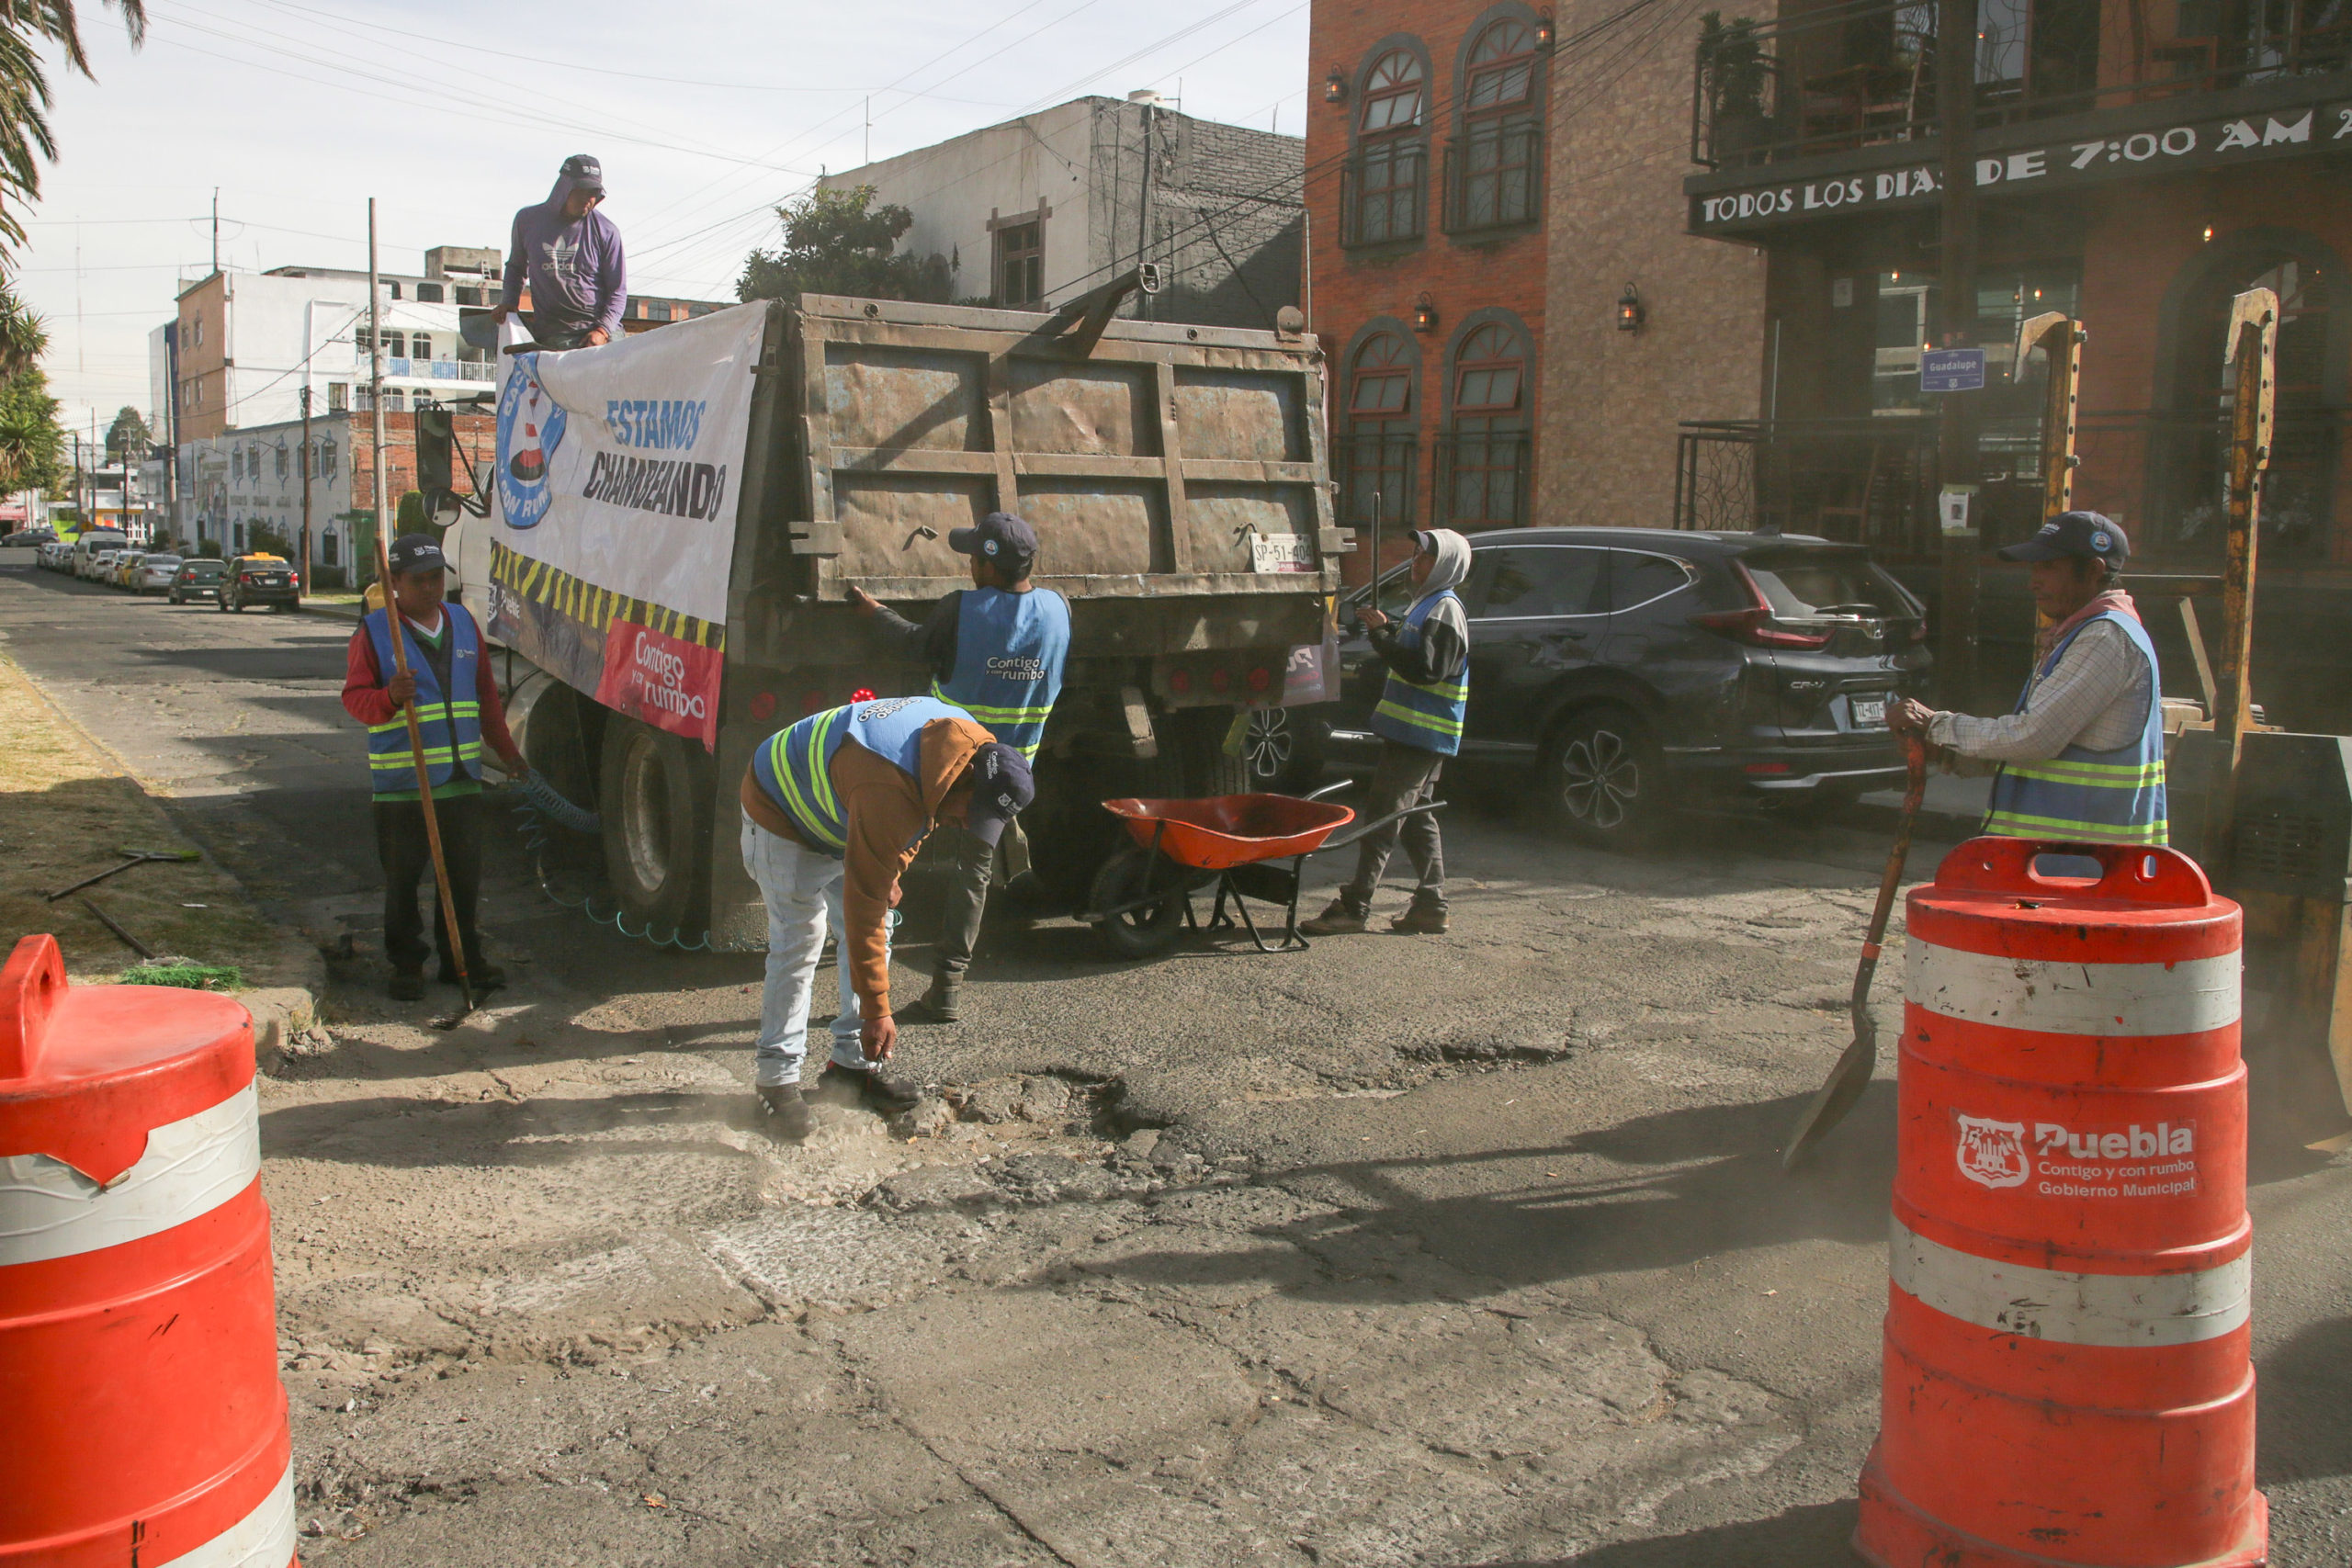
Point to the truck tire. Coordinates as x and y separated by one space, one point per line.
656 799
1196 737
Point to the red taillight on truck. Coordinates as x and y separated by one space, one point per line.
1754 626
1260 679
1180 681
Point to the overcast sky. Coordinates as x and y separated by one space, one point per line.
705 112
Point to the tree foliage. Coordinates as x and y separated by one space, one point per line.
838 241
31 446
26 141
128 437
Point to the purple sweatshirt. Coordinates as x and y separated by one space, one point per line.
579 281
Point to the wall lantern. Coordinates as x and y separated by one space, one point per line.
1544 31
1629 310
1335 88
1425 313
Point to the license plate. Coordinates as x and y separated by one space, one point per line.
1870 713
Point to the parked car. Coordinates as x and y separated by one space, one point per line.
126 563
197 578
155 573
39 533
261 579
99 564
92 543
56 556
1633 671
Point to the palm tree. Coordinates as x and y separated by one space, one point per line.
24 336
24 138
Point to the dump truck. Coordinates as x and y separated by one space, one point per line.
1175 475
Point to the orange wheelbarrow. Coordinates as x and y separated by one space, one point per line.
1142 897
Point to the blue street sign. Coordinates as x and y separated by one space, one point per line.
1951 370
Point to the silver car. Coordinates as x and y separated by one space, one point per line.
154 574
101 562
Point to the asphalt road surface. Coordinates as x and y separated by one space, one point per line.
1470 1249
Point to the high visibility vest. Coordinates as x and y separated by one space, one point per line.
449 723
2108 797
1429 716
794 766
1009 653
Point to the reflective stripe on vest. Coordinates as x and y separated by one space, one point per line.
2114 797
1429 716
794 767
1009 653
449 726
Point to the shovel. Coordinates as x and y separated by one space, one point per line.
1852 1074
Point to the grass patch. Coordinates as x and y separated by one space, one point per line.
184 974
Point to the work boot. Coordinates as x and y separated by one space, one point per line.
486 977
943 1003
1421 920
871 1087
1340 919
406 986
788 1116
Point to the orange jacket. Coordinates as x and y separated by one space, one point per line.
889 814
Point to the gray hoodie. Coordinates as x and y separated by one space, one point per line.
579 280
1441 646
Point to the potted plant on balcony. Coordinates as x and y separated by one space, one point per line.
1734 71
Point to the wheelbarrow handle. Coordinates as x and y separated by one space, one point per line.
1327 789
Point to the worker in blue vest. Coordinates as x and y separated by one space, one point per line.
834 808
2082 758
1419 725
457 710
995 650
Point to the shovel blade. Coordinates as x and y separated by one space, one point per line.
1836 1097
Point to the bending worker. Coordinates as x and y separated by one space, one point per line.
458 709
2083 756
1419 725
569 255
834 809
995 650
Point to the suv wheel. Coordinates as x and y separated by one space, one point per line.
1603 778
1282 750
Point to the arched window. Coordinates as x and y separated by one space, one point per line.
1491 177
1383 435
1485 477
1384 200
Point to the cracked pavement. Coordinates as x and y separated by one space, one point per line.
1471 1249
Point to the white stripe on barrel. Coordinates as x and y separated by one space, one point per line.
2126 1310
190 1168
2181 997
263 1539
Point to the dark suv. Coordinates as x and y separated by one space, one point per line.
1634 668
261 579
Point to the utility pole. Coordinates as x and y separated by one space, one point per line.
1143 215
216 229
171 428
376 393
1956 278
306 478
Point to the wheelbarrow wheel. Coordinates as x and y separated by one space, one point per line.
1146 932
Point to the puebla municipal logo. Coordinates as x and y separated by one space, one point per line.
1990 1153
530 428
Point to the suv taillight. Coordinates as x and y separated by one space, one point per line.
1755 625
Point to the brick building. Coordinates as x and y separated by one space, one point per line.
1515 315
2137 168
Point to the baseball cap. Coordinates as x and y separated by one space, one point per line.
585 173
1000 536
2080 534
1002 786
414 552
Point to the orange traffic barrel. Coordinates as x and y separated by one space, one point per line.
139 1392
2068 1375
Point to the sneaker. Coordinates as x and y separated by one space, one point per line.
871 1087
406 986
1421 920
1339 919
486 977
943 1003
788 1116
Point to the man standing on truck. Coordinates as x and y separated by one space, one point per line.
2083 756
995 650
458 709
834 808
569 253
1419 725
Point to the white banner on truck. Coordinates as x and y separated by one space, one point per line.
613 531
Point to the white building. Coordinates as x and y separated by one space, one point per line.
1039 209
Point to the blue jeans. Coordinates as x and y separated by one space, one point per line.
802 890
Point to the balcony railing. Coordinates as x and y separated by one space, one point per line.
1384 187
1494 178
1839 76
